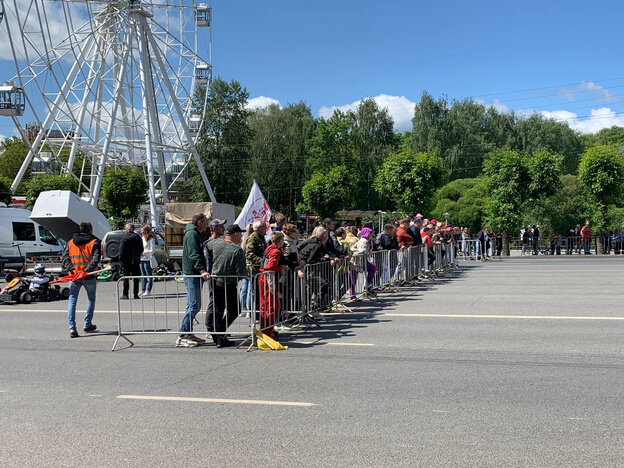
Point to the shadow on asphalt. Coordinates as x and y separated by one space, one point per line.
338 325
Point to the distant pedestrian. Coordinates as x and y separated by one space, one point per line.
586 235
148 260
526 237
558 243
536 234
130 250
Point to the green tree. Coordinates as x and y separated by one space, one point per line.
561 211
278 152
13 151
545 173
507 183
600 172
331 143
464 200
123 192
327 192
5 190
536 133
373 139
41 183
607 136
429 125
359 140
223 145
513 179
410 179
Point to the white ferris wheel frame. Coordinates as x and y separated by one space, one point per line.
118 89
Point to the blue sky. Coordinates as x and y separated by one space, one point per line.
561 58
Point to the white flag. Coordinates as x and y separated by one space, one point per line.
256 207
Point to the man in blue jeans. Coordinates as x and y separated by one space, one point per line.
82 256
193 264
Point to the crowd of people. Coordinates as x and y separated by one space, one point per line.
578 240
226 254
269 265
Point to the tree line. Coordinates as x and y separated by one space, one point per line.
461 157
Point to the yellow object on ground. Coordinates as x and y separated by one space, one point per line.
267 343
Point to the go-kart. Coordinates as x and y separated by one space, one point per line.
18 291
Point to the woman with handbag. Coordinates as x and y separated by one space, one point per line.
148 260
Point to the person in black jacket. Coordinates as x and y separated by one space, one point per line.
387 239
130 250
332 245
536 235
314 251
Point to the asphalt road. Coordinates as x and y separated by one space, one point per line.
512 363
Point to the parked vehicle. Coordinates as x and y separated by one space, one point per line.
112 242
22 238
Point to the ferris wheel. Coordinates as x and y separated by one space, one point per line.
101 83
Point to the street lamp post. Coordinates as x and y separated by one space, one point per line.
381 219
446 215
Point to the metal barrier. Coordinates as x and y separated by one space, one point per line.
217 310
279 300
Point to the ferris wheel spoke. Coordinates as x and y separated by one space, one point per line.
111 83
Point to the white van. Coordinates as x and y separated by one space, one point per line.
21 237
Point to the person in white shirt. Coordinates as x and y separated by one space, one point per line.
148 261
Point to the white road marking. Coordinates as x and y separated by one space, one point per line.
460 316
514 317
216 400
576 419
439 411
95 395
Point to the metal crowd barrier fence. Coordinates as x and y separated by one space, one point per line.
217 312
277 302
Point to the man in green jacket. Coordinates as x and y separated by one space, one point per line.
193 264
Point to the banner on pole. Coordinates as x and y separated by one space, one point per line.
256 207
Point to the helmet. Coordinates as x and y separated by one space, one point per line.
39 269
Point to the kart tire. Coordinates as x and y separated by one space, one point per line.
65 293
8 277
25 297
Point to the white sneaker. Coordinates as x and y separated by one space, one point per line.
185 343
148 293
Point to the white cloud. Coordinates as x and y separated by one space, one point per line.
496 104
57 28
596 91
400 108
598 119
261 102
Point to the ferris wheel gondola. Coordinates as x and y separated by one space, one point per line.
109 83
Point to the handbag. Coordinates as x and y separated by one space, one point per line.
153 261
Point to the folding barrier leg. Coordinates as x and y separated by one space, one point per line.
117 340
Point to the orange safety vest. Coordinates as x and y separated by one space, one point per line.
80 255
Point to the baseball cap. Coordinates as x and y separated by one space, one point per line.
217 222
233 229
